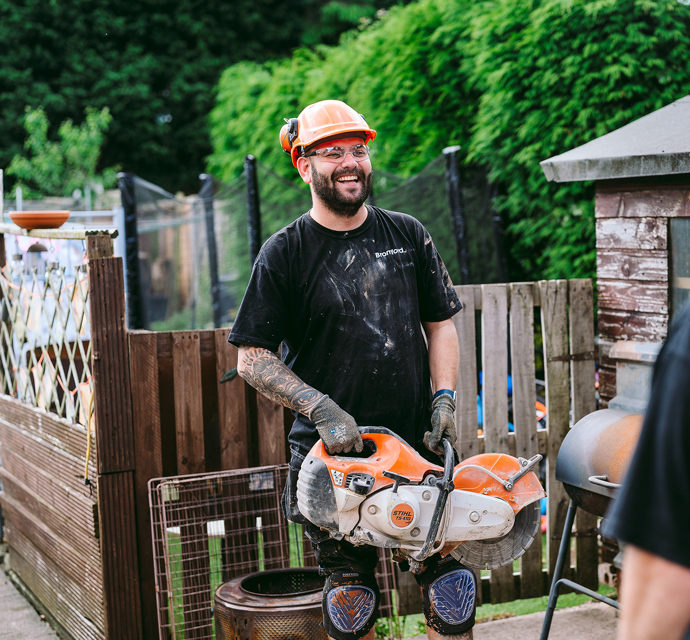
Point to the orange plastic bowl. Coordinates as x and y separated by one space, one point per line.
39 219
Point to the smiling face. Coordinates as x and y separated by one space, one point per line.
343 185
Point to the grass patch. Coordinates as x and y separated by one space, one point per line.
413 625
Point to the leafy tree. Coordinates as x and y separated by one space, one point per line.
58 168
513 82
153 64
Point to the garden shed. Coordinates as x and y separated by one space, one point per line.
642 211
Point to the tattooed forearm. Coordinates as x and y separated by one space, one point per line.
269 375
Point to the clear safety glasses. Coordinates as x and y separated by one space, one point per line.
359 152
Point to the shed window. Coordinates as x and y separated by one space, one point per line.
680 263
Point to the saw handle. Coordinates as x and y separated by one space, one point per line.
445 486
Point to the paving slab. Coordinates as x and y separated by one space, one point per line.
18 619
591 621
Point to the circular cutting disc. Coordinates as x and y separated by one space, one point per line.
498 552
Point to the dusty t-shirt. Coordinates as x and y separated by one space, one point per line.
348 308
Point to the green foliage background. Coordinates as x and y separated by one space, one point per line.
57 168
513 82
153 64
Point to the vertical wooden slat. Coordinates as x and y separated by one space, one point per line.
524 413
495 367
189 418
584 402
143 354
234 412
466 407
270 431
522 363
233 409
495 401
115 438
271 448
119 556
554 322
189 421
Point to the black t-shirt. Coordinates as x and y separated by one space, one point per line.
348 308
652 511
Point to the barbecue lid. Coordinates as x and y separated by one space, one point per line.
596 452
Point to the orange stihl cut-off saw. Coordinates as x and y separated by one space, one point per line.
486 509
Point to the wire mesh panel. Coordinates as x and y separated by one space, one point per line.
45 331
210 528
173 259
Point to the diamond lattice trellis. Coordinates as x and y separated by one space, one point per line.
45 346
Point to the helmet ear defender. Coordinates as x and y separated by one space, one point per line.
288 134
293 128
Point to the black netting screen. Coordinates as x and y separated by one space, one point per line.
173 259
175 273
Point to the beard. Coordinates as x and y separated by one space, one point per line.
343 205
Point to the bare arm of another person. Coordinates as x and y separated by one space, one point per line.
655 597
268 374
444 352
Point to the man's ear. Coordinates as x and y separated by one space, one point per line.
304 168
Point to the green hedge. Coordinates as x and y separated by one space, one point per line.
513 82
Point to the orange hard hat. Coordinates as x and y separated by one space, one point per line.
319 122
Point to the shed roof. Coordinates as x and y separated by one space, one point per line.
656 144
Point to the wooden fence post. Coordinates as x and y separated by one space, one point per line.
114 441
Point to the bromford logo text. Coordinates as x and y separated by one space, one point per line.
390 252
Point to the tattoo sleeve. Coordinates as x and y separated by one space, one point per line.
269 375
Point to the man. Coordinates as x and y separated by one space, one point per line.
346 289
652 512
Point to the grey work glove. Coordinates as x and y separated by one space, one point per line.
336 427
442 424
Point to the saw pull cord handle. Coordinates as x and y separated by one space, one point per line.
445 486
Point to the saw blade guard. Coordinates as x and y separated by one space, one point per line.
512 480
501 476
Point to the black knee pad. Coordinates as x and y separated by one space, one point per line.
350 604
449 590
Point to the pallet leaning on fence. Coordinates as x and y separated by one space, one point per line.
506 334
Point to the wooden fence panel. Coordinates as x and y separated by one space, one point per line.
583 403
495 401
524 414
554 320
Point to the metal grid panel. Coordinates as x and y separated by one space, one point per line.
45 346
212 527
